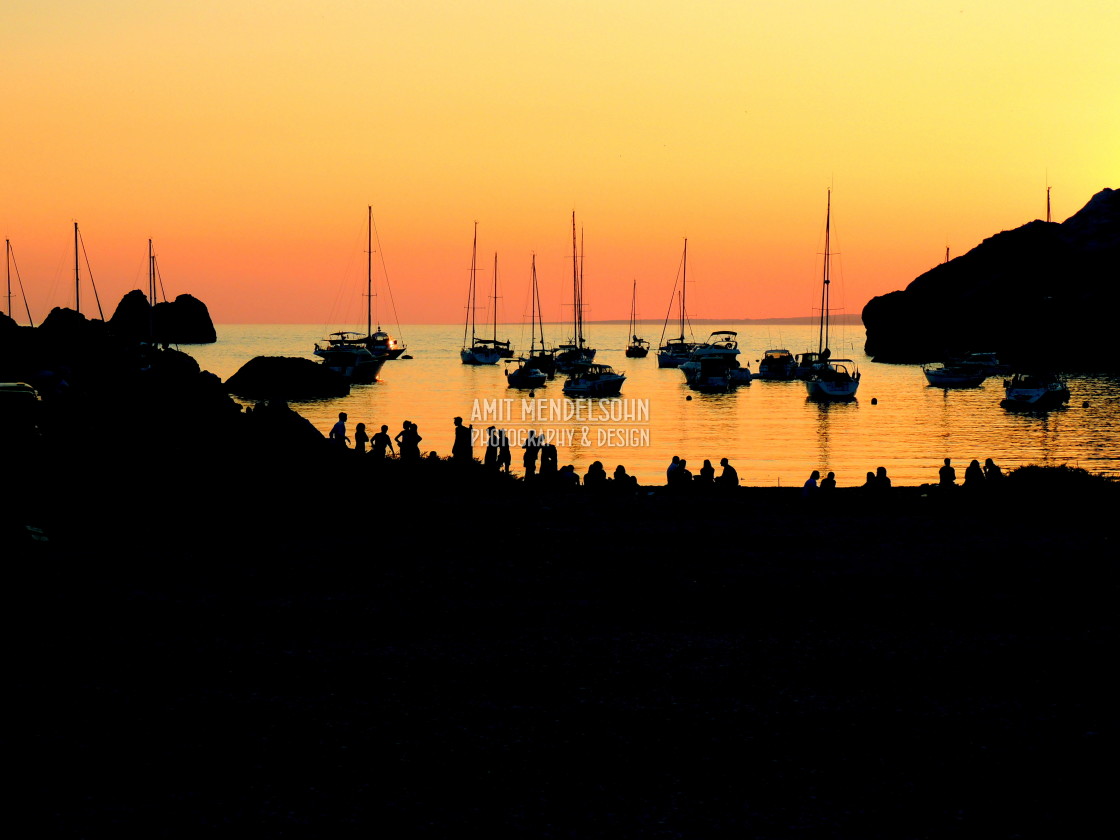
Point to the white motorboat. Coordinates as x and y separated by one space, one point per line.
777 364
1034 392
714 365
594 380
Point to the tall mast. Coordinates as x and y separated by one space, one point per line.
8 264
151 294
1047 204
369 272
533 304
471 289
575 287
151 275
684 284
494 300
823 337
579 309
633 310
77 274
537 305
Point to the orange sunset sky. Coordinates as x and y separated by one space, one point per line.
247 139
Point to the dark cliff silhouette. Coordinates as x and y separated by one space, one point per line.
1029 293
185 320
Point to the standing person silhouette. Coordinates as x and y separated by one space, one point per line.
360 438
461 449
408 442
380 442
338 432
673 471
490 454
532 450
504 458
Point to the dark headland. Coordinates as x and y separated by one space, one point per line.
216 624
1044 294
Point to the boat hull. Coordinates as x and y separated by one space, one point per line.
598 388
567 360
954 378
526 378
1035 399
823 389
596 381
480 356
777 365
671 358
357 365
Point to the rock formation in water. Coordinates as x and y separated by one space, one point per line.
1043 293
186 320
286 378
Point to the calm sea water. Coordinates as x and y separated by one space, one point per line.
770 431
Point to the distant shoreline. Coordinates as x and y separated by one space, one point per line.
807 320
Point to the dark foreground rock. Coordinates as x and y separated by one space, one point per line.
320 648
185 320
286 378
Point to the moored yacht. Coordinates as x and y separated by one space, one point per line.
346 354
1034 391
954 376
594 380
714 365
827 378
777 364
676 351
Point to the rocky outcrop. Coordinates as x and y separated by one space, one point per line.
286 378
1033 293
186 320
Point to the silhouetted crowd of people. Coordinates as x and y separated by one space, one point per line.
539 462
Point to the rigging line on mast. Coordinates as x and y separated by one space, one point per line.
672 298
388 288
159 278
89 271
22 293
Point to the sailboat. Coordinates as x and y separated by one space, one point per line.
481 351
675 351
379 341
637 348
534 370
349 353
828 378
576 352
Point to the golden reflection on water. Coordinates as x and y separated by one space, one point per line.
772 433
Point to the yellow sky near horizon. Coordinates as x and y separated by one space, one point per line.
248 138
